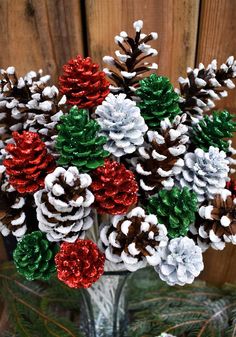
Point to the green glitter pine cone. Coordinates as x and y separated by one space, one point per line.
158 100
212 131
174 208
34 257
78 142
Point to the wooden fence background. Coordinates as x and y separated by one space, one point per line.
44 34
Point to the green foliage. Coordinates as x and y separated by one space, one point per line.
34 257
158 100
212 131
78 142
191 311
175 209
38 309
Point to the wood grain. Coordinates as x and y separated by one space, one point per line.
175 21
39 34
217 39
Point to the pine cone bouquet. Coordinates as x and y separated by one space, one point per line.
216 223
114 188
83 84
63 207
28 162
161 157
133 240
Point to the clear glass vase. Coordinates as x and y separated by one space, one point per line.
104 310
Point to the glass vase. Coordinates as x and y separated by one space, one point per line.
104 310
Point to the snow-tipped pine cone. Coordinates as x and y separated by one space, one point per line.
63 207
134 239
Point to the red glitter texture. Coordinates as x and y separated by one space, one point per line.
29 162
114 188
79 264
83 84
231 185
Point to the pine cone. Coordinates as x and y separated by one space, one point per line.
158 100
28 103
28 163
63 206
34 257
175 208
134 239
216 223
204 85
79 264
78 142
160 159
212 131
181 262
130 67
114 188
83 84
121 122
204 172
12 214
231 186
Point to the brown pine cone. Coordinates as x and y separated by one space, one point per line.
12 214
216 223
160 159
133 240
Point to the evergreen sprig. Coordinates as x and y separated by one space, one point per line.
174 208
213 131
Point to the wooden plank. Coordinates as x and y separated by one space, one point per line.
175 21
217 39
39 34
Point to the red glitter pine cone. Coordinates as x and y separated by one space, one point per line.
114 188
28 163
83 84
231 185
79 264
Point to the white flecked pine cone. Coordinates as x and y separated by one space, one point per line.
206 173
63 207
216 224
204 85
181 262
161 157
133 240
120 120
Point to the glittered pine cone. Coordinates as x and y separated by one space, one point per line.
158 100
114 188
34 257
82 83
79 264
213 131
206 173
121 122
63 207
28 162
78 142
216 223
181 262
133 240
175 208
161 157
